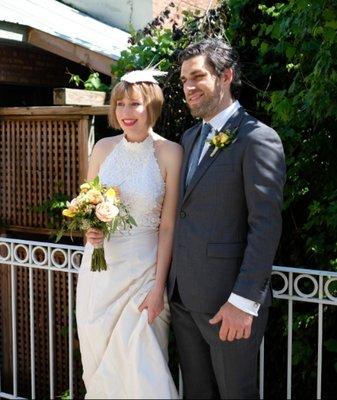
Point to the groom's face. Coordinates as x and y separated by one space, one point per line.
204 90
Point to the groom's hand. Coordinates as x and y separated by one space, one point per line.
235 323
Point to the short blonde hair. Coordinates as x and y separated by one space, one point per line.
152 96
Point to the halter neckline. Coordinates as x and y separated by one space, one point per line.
147 139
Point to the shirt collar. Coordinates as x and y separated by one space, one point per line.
220 119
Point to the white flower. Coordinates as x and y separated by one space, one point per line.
73 205
106 211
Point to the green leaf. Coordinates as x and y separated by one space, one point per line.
329 33
264 48
59 235
290 51
132 221
331 345
331 24
96 181
114 224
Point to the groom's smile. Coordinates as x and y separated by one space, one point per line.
194 98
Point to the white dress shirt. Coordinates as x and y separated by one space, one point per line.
217 122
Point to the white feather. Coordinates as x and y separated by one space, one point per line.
144 75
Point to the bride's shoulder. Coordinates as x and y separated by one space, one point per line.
167 151
166 146
109 141
105 146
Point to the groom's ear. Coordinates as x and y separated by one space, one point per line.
227 76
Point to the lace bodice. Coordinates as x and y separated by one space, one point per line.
133 167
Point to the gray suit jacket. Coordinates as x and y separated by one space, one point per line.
229 218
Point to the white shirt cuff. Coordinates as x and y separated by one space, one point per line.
249 306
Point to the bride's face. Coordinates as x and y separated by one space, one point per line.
131 113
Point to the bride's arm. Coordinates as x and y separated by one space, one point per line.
97 156
95 236
171 158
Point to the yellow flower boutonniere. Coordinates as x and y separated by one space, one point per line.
221 140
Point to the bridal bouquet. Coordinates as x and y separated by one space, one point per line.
100 207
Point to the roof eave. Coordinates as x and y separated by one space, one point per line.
70 51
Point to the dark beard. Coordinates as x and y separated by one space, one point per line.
205 109
208 107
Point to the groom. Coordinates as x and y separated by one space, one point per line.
227 230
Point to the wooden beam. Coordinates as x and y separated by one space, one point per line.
70 51
37 230
55 110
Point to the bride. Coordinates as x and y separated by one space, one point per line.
122 313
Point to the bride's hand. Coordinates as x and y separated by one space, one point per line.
94 236
154 302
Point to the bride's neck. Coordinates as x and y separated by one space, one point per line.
137 137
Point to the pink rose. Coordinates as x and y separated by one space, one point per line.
106 211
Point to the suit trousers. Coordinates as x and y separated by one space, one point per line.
211 368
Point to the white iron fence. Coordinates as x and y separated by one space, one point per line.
65 259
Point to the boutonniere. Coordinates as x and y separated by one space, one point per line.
221 140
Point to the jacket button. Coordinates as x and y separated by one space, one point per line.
182 214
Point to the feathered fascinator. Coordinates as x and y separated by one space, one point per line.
143 75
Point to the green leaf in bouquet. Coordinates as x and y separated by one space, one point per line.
59 235
132 221
95 182
114 224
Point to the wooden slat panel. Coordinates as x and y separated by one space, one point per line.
28 175
74 156
83 151
37 155
67 184
41 127
3 164
13 170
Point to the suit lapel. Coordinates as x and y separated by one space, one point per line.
231 125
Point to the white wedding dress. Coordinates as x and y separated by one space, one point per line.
122 355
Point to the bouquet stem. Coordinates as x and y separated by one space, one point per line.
98 262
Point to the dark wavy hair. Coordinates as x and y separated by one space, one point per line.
220 55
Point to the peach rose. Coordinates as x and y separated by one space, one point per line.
106 211
94 196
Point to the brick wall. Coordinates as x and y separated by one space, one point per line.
24 65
